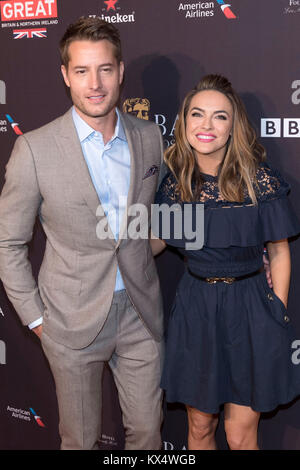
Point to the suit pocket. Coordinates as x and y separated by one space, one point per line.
277 307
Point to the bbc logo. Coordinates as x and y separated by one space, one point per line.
277 127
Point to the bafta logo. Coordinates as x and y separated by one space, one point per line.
138 107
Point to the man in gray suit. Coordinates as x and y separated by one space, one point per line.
98 298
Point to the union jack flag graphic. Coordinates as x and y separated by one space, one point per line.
30 33
226 9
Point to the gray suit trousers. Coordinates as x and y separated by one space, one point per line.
135 359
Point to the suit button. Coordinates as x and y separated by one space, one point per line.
270 297
286 318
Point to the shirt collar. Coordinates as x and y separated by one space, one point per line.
84 130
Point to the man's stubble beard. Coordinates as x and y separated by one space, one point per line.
101 112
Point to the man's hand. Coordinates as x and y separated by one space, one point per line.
38 330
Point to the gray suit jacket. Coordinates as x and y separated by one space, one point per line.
47 175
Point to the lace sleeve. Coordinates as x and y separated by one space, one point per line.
167 193
270 184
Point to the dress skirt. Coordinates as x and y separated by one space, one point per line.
229 343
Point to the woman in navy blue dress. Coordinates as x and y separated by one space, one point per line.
229 338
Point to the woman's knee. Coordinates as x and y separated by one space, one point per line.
201 425
241 437
241 423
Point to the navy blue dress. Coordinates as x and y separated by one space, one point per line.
231 343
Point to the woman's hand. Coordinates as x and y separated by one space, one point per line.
267 270
280 266
157 245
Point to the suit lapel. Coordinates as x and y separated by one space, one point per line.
136 169
69 144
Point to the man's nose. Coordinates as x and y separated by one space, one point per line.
95 81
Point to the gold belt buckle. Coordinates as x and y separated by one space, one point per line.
213 280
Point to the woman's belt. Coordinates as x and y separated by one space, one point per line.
227 280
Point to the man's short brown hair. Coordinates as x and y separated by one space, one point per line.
89 29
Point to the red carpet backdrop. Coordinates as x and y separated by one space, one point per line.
168 45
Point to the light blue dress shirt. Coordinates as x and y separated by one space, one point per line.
109 167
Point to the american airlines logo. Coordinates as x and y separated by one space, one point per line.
2 92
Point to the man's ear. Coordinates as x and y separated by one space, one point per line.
121 66
65 75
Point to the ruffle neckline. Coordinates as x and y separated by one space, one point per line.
243 226
208 177
238 224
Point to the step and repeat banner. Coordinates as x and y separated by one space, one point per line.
168 46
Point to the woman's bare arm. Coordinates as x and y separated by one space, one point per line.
280 266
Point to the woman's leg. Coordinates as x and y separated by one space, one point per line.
241 423
202 428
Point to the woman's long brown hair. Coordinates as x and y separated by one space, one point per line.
238 168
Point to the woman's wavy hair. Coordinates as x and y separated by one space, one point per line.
237 172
